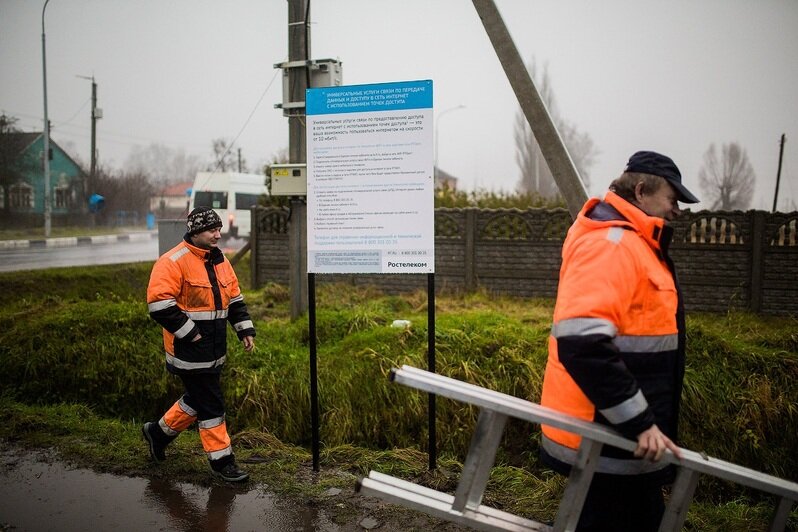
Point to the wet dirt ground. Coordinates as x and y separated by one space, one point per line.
40 492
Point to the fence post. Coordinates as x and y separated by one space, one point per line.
757 258
254 236
470 249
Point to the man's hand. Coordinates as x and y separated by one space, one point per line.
249 343
651 445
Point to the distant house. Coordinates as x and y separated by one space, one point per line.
171 201
22 193
444 180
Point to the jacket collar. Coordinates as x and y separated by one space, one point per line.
651 228
213 255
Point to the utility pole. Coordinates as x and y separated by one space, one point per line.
46 154
778 172
96 114
239 160
94 117
298 81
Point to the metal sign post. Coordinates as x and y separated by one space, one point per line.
370 195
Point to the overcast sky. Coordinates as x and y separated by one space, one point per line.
672 76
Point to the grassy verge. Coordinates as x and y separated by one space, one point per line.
83 367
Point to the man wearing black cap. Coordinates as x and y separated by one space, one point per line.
616 350
193 293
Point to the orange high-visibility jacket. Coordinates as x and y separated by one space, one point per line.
194 290
616 350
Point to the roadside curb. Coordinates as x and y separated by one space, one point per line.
70 241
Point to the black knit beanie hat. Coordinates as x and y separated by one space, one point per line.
201 219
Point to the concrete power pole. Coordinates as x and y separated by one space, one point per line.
94 117
778 172
298 50
46 133
551 145
96 114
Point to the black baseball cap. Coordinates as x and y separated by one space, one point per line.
650 162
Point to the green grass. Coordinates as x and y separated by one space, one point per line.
80 284
83 365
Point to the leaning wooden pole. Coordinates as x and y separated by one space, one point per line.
551 145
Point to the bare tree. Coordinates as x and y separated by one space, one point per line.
162 164
124 192
224 160
727 181
535 173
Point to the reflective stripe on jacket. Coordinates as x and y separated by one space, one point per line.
616 350
194 290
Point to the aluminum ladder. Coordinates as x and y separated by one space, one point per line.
466 507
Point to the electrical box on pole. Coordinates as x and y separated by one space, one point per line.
288 180
321 72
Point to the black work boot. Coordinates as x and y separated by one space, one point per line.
157 441
227 470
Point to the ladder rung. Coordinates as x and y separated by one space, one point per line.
439 504
681 497
780 516
578 484
479 461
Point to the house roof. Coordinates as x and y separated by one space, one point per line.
178 189
442 178
23 140
20 141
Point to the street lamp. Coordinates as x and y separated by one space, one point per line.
437 129
46 156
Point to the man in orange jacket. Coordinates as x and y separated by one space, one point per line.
193 293
616 350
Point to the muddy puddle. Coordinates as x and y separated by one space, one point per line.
38 492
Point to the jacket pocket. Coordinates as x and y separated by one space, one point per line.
196 295
197 282
225 277
199 351
661 302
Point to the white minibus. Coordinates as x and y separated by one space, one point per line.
231 194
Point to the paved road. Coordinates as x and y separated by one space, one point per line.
78 252
107 249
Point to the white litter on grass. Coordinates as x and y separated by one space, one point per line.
401 324
369 523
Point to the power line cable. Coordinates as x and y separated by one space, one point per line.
106 135
246 123
76 113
